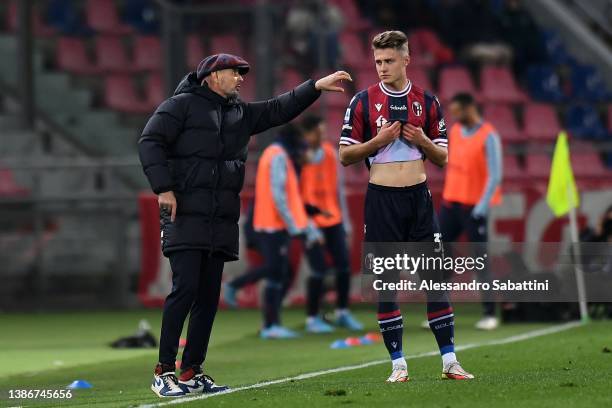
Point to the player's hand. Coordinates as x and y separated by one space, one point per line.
388 133
331 82
167 201
413 134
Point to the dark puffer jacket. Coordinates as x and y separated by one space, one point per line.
195 144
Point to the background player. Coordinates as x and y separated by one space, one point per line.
472 185
394 125
322 188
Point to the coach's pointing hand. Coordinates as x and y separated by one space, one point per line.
167 201
328 83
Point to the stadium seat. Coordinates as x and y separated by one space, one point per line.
155 91
427 43
353 53
8 186
588 165
357 174
541 123
121 95
512 170
557 53
434 173
195 51
65 17
71 56
333 120
365 77
102 16
111 55
41 29
147 53
352 15
538 165
588 84
419 77
498 85
503 119
289 79
229 44
454 80
583 122
142 15
544 84
338 100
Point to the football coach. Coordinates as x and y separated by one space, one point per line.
193 152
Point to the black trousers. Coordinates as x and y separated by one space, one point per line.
455 218
196 285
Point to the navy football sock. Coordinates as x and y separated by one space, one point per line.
442 323
392 327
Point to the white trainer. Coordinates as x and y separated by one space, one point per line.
399 374
166 385
454 371
487 323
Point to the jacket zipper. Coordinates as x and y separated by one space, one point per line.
215 174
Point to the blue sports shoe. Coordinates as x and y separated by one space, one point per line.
193 382
229 295
166 385
317 325
278 332
347 321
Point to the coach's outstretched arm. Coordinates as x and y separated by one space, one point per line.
282 109
350 154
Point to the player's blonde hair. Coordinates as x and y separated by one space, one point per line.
391 39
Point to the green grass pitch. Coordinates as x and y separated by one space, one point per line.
571 368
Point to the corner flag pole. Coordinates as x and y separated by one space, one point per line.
576 251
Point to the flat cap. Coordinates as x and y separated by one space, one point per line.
218 62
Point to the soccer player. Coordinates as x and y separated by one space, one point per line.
472 185
193 151
322 188
394 125
279 214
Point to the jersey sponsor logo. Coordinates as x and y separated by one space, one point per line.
442 126
378 106
398 108
417 108
380 121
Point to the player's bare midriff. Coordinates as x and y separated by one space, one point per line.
398 174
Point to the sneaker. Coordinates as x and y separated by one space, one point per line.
317 325
348 321
165 383
229 295
195 382
487 323
454 371
399 374
277 332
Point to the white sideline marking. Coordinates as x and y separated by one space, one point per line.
512 339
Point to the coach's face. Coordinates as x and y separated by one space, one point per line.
390 64
228 82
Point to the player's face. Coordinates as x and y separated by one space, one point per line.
314 137
458 113
228 82
390 65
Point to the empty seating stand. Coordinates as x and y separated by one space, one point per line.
498 86
121 95
454 80
502 117
102 16
541 123
71 55
147 53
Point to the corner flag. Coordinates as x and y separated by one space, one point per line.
562 194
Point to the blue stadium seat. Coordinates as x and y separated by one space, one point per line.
544 83
557 53
584 122
65 17
588 84
142 15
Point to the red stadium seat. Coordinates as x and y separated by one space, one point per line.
434 173
512 170
498 85
71 56
155 92
541 122
365 77
588 165
41 28
8 185
420 78
356 174
195 51
333 120
353 52
102 16
338 100
121 95
227 44
538 165
147 53
289 78
454 80
502 118
111 55
352 15
428 46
